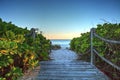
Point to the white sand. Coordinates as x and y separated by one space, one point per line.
63 54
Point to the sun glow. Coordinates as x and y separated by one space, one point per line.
61 36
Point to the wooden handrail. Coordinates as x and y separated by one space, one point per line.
106 40
93 34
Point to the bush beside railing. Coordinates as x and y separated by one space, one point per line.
111 52
19 53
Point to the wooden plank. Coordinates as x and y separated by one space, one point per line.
69 71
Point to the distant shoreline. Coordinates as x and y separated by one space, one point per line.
60 39
64 43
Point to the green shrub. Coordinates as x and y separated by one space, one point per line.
19 53
55 47
81 45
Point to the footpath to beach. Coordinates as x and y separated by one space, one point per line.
63 54
65 66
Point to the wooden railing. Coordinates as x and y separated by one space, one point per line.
93 51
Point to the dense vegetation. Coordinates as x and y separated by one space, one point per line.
19 52
110 51
55 47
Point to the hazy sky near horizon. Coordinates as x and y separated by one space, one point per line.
60 19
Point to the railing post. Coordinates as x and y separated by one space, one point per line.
91 45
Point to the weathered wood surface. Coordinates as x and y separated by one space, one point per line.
68 68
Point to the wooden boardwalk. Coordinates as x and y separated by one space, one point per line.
66 69
69 70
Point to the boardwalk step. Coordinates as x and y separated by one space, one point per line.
71 74
70 78
66 72
74 69
67 66
57 62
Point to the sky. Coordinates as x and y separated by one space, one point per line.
60 19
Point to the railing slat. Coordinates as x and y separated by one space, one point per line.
107 61
106 40
91 43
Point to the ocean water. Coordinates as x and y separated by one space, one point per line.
64 43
